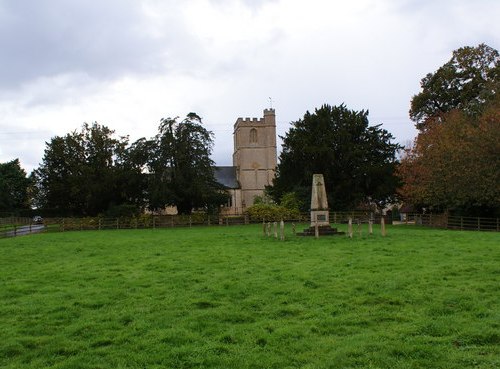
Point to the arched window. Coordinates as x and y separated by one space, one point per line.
253 135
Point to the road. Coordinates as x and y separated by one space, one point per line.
24 230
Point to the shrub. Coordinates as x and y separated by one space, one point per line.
268 212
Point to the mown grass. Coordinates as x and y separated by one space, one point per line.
227 297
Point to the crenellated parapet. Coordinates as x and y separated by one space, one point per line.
268 119
248 121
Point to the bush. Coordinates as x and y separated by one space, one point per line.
268 212
290 200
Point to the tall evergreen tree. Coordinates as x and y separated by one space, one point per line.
14 187
79 174
181 171
357 160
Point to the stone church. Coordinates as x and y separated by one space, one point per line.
254 161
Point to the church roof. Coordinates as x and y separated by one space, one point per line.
226 176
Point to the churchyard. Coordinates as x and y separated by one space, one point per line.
231 297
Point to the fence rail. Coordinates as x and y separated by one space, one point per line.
10 227
455 222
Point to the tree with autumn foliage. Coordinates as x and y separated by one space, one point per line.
455 164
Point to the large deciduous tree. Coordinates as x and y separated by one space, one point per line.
356 159
181 171
455 164
83 173
14 187
467 82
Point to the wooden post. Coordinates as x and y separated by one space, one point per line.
190 222
349 228
316 229
263 228
293 228
275 226
282 230
382 226
370 227
268 229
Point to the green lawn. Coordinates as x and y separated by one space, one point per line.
227 297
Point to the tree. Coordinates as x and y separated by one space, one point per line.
467 82
455 164
83 172
181 171
357 160
14 187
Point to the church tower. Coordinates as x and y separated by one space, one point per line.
255 155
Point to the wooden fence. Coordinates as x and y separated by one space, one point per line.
454 222
19 226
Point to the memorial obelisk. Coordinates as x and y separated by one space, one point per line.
319 202
320 223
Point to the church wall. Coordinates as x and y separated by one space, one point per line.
235 204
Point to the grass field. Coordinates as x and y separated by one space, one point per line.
227 297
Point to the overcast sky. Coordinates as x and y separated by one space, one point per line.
128 63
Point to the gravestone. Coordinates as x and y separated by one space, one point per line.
320 221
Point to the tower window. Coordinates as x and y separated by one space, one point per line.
253 135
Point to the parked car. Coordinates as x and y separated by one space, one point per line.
37 219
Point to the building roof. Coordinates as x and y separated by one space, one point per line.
226 176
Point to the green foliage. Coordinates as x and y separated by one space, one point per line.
357 160
271 212
227 297
181 171
90 172
14 187
84 173
123 210
290 200
467 82
264 199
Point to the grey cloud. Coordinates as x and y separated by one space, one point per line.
101 39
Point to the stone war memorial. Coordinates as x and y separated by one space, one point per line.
320 222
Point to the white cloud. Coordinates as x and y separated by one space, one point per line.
129 63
